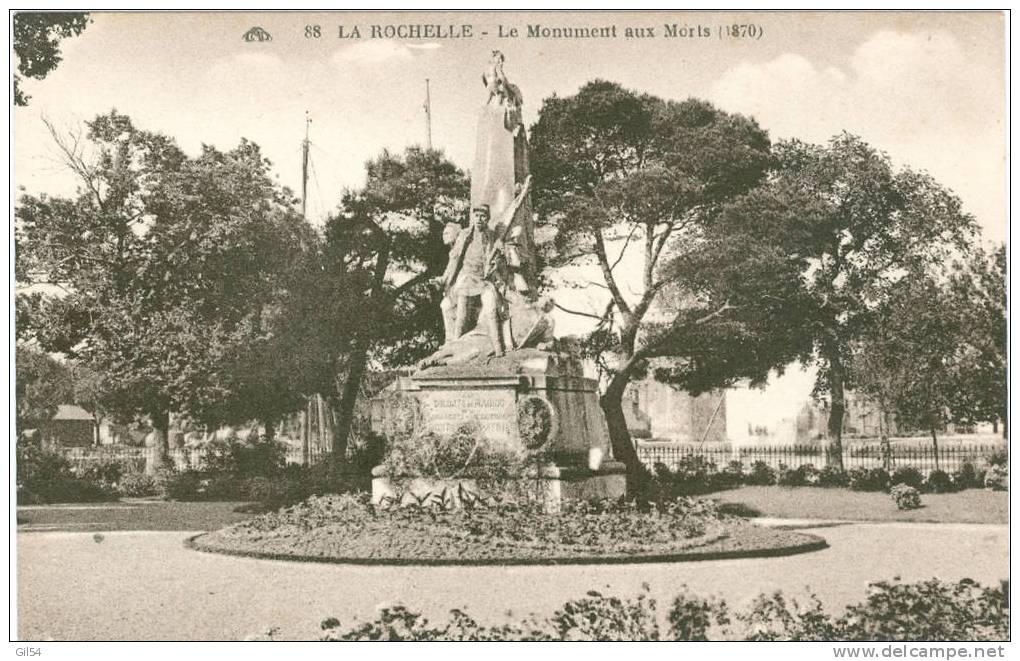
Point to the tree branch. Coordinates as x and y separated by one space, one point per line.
580 313
655 349
661 241
76 162
672 227
48 283
607 273
403 288
718 313
649 251
623 251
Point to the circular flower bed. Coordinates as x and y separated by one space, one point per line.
349 529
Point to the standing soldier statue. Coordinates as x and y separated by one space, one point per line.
490 284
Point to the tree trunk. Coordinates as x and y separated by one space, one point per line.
359 358
338 442
327 425
995 426
349 399
158 456
883 430
836 411
935 444
619 436
269 435
311 430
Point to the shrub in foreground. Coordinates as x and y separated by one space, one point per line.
868 479
892 611
939 481
695 475
999 458
695 618
48 477
692 476
288 485
997 478
929 610
732 475
907 475
802 476
969 476
906 497
761 474
138 485
833 476
776 617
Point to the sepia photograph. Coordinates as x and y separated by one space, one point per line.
444 325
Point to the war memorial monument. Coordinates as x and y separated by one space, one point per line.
496 367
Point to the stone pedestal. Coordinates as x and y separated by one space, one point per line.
528 399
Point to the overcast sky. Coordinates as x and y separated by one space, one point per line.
927 88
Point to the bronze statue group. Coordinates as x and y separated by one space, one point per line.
490 303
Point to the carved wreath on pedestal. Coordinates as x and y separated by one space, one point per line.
536 421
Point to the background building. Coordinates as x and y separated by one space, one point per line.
656 410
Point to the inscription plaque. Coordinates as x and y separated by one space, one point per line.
495 411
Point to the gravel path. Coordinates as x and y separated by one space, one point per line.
147 586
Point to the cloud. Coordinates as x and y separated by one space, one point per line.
376 51
783 93
917 96
907 80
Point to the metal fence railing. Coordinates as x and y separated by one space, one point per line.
922 457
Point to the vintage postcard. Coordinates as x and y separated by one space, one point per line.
511 326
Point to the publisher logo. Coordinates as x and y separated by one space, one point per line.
257 34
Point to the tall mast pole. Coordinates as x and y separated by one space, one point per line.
304 168
428 116
306 427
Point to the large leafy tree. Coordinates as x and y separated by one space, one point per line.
37 38
936 350
977 288
386 243
42 383
716 295
908 359
167 274
872 225
295 348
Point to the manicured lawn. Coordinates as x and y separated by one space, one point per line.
970 506
131 514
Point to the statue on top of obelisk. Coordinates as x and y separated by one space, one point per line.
490 304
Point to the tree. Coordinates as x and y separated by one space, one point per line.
165 272
977 287
386 244
37 38
294 349
907 359
873 225
42 383
614 168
